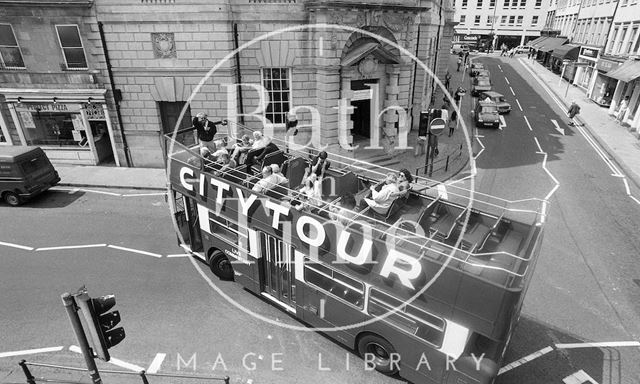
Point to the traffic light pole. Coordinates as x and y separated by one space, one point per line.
72 311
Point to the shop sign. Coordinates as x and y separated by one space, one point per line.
605 65
48 107
589 52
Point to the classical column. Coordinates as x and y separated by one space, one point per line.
16 121
391 105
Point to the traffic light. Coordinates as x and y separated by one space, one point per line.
423 127
101 322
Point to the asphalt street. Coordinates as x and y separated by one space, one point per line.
123 243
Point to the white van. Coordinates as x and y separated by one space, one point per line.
457 48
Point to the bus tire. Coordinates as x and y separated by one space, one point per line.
11 198
220 265
382 351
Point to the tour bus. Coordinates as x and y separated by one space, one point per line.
430 290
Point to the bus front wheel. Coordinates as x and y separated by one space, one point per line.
379 352
220 265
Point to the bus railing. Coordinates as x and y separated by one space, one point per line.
382 228
142 374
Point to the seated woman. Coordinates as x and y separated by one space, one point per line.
343 212
309 196
241 147
404 182
319 164
225 163
380 201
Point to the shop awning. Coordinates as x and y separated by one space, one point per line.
566 52
537 42
626 72
552 43
43 95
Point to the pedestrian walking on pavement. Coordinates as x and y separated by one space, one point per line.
574 110
447 81
503 49
624 105
529 53
466 58
459 64
512 52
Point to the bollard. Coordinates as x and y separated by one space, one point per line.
143 377
446 165
27 373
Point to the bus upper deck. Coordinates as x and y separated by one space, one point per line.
483 236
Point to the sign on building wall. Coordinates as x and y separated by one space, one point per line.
591 53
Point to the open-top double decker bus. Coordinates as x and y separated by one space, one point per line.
432 289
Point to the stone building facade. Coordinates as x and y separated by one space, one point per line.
54 84
361 90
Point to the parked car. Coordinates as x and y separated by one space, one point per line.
483 73
457 48
485 114
474 68
480 84
522 48
24 173
498 98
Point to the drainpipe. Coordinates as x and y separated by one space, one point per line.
238 74
116 95
415 71
435 59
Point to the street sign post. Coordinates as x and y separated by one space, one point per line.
437 126
435 129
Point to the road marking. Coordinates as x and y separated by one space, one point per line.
156 363
71 247
540 151
611 344
135 251
30 351
482 145
442 191
524 360
145 194
179 255
16 246
519 106
103 192
503 124
507 80
512 91
579 377
531 129
113 360
500 68
557 127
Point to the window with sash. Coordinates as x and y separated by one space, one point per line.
71 45
10 54
276 82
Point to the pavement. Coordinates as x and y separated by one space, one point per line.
619 144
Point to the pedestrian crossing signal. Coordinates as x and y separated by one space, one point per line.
101 323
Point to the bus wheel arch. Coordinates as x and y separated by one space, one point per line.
382 350
220 264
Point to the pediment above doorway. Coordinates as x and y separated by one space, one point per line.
367 50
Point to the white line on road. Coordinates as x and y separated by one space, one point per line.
557 127
156 363
500 68
519 106
507 80
71 247
482 150
179 255
30 351
525 359
610 344
135 251
113 360
102 192
529 125
16 246
512 91
538 144
503 124
580 377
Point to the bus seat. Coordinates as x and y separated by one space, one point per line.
276 157
295 171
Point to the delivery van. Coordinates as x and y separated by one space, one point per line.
24 173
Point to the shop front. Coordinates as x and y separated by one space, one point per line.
71 126
627 93
562 59
603 86
585 73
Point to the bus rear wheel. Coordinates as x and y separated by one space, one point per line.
12 199
220 265
382 352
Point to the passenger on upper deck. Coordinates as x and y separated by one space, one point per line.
277 174
259 142
319 164
267 182
380 201
243 146
225 163
404 182
309 195
220 148
206 131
